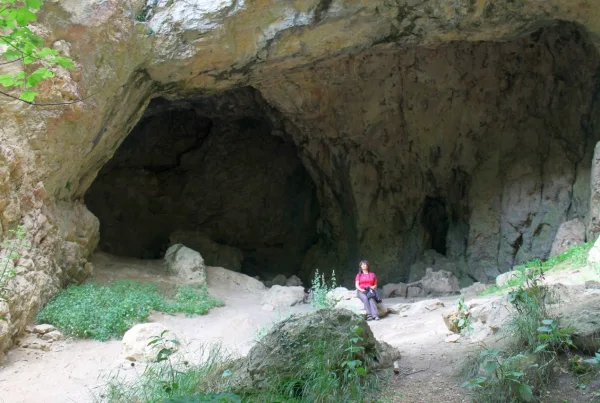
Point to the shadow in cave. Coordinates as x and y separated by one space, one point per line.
211 175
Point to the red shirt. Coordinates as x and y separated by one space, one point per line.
366 280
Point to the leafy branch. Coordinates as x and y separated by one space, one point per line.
18 43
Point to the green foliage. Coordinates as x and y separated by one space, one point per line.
11 248
522 371
594 360
319 290
104 311
23 46
462 321
504 377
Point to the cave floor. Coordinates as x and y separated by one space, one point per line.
76 370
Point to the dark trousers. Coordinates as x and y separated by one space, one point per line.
370 305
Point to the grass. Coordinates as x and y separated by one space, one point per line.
573 258
104 311
173 380
323 371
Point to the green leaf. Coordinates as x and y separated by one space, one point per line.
38 76
34 4
547 322
11 54
361 371
526 392
541 347
45 52
490 366
23 16
28 96
7 80
63 62
544 329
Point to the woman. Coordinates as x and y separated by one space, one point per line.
366 279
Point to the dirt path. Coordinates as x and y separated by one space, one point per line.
74 369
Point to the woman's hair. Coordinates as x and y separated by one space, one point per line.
361 263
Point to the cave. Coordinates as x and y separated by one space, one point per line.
477 151
213 174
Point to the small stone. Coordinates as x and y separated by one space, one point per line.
452 338
52 336
43 329
592 285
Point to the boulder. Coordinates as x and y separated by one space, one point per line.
214 254
135 342
236 282
280 296
434 260
415 290
594 253
285 348
186 264
584 317
278 280
488 315
293 281
339 294
52 336
503 279
355 305
43 329
473 289
395 290
439 282
569 234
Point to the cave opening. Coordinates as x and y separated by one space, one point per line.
435 222
215 174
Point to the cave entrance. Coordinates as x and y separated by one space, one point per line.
209 174
436 224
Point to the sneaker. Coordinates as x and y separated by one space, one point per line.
369 318
377 318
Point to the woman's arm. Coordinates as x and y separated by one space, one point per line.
358 287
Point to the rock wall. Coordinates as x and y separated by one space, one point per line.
310 61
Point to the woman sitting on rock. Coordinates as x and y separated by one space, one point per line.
366 289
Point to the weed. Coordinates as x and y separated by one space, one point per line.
319 290
462 319
172 380
523 370
104 311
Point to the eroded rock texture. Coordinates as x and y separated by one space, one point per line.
378 130
210 169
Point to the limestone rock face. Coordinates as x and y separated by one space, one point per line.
351 89
569 234
439 282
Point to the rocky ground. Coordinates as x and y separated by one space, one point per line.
74 370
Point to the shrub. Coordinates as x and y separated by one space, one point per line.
12 248
104 311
